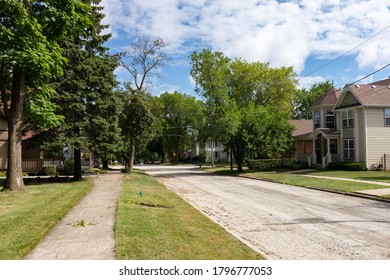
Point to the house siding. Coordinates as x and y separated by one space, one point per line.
377 137
349 101
361 135
349 133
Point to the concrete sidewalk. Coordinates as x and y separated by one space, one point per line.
87 231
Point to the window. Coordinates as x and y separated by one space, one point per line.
349 149
216 155
330 120
387 117
316 120
348 118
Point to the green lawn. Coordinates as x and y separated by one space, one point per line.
303 181
26 218
160 225
380 176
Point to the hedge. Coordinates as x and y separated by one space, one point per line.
347 166
268 164
50 170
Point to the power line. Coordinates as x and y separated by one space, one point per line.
344 54
370 74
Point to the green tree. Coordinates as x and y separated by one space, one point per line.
181 115
143 60
29 57
211 71
85 93
136 121
249 104
304 99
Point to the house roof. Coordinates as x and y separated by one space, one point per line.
385 82
302 127
369 95
329 98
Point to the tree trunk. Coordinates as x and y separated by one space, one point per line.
77 165
212 153
132 153
14 180
105 163
239 156
231 159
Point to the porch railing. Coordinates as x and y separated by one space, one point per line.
32 165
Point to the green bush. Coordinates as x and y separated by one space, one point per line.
125 170
300 165
347 166
69 167
268 164
3 174
50 170
93 170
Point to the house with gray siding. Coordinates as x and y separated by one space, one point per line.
351 124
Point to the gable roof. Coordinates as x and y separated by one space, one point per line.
374 95
329 98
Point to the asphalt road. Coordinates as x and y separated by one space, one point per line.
285 222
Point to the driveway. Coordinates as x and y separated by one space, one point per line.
285 222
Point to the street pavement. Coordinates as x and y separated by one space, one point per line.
282 221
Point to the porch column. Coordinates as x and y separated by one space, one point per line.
328 154
314 155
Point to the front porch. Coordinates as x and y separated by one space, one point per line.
321 147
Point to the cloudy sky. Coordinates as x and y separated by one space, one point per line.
305 34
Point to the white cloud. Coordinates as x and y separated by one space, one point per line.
281 33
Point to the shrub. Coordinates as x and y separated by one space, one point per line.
347 166
3 174
50 170
69 167
300 165
93 170
268 164
125 170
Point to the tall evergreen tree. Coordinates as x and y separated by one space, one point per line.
85 93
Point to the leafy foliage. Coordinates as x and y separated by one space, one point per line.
248 104
269 164
304 99
30 55
181 116
348 166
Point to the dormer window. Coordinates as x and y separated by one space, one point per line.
316 120
330 120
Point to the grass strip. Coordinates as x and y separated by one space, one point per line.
27 217
159 225
379 176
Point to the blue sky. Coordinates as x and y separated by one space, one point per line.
305 34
